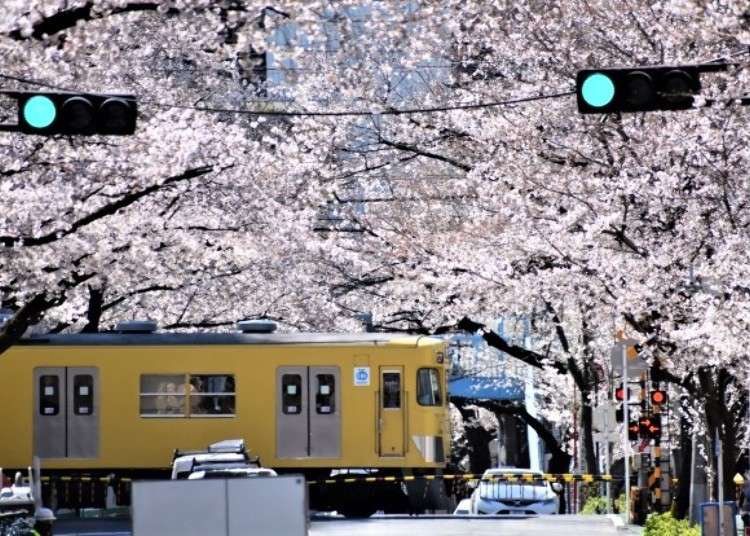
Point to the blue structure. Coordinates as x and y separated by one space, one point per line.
487 388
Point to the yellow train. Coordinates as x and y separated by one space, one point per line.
121 402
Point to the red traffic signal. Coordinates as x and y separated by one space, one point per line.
650 427
658 397
620 394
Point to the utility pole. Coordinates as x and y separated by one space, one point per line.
720 466
691 499
625 439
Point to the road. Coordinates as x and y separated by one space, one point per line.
403 526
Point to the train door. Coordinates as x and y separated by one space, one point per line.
308 417
392 417
325 412
66 412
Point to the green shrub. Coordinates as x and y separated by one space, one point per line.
598 505
665 525
594 505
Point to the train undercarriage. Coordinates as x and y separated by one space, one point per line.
354 493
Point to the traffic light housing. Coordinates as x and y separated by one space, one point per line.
640 89
78 114
658 397
619 414
633 429
650 427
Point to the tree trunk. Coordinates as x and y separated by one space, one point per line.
94 313
589 452
682 501
477 439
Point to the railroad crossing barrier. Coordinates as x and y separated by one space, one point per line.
92 492
519 478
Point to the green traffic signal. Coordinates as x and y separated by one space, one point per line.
39 111
50 113
598 90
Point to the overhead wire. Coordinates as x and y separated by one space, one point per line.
306 113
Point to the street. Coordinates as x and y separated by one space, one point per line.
402 526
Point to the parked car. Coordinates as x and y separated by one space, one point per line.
232 472
521 497
222 455
463 508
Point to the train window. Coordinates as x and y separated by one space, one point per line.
391 390
162 395
49 395
83 394
291 394
325 394
212 395
428 387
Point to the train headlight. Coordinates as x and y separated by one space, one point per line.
440 357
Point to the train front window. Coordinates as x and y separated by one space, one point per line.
212 395
163 395
428 387
291 394
391 390
83 394
325 394
49 395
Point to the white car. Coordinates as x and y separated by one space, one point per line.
495 496
224 454
232 472
463 508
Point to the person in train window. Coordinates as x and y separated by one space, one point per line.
174 394
226 405
216 384
197 401
161 400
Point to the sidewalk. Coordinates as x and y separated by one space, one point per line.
630 530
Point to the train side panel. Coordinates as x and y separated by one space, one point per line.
127 440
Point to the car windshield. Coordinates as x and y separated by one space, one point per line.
499 490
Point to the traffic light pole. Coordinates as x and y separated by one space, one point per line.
626 425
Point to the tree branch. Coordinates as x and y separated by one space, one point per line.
104 211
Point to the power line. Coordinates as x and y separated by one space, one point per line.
344 113
351 113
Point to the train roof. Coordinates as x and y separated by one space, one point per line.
228 339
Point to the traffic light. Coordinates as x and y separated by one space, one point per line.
81 114
619 414
658 397
640 89
633 429
650 427
644 423
620 394
654 429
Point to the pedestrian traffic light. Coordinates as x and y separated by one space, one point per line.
633 429
658 397
81 114
644 423
640 89
652 428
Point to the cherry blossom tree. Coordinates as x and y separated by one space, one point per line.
433 171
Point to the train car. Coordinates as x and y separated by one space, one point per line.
119 403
